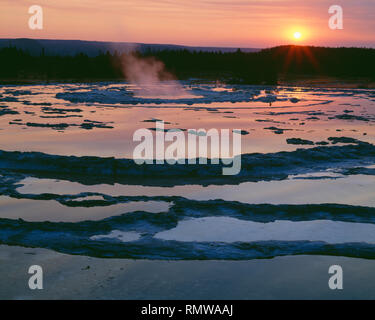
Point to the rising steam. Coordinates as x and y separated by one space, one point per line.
151 79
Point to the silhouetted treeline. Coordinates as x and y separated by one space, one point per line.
321 61
17 64
242 67
262 67
255 67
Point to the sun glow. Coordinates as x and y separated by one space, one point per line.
297 35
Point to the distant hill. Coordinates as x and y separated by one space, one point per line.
93 48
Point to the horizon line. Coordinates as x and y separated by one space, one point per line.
192 46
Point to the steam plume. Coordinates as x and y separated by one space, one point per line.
151 78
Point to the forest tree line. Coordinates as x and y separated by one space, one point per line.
263 67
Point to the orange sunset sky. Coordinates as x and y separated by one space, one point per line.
236 23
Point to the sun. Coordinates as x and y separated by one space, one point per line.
297 35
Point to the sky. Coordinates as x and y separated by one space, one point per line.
226 23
